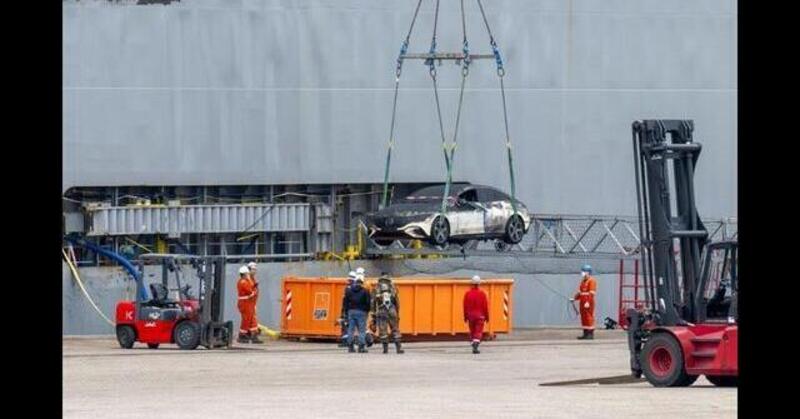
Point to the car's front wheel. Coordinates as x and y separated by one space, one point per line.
515 230
440 231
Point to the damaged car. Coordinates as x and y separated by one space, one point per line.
473 212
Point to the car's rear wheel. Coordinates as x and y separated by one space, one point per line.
440 231
515 230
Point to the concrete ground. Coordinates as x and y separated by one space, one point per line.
432 379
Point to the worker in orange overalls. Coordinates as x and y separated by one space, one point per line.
253 267
248 331
476 312
585 297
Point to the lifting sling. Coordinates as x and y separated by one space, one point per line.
466 59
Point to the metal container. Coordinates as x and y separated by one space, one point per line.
430 308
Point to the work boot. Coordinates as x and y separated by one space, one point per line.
399 348
362 349
386 347
350 348
243 338
590 335
584 336
475 348
255 339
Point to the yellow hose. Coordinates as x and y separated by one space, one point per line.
83 289
269 332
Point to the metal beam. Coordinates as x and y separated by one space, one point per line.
458 56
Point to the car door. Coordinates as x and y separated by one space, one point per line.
468 215
497 206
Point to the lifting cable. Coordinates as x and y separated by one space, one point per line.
449 150
83 289
501 72
398 71
464 73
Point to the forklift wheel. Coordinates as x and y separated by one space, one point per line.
152 345
723 380
662 362
187 335
126 336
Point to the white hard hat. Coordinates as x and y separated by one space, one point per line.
252 265
244 270
476 279
360 271
351 275
360 278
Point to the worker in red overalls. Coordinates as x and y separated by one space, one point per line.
253 267
247 308
585 297
476 312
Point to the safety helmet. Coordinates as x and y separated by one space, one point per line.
476 280
351 276
359 279
243 270
586 268
252 266
360 271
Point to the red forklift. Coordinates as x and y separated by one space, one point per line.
688 326
186 320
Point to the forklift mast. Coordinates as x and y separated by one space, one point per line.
671 232
211 272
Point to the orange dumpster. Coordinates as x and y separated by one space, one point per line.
430 307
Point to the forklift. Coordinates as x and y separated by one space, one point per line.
185 320
689 324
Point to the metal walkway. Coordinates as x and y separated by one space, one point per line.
559 236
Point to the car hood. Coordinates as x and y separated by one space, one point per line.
405 209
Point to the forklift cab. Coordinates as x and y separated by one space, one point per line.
719 286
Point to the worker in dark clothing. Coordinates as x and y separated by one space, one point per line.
357 305
351 279
385 312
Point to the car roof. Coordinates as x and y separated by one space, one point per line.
457 187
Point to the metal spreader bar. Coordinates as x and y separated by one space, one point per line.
458 56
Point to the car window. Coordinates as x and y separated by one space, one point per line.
491 195
469 196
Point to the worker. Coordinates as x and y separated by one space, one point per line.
385 312
357 305
249 327
476 312
351 279
253 267
585 297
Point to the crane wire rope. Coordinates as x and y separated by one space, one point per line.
398 71
449 149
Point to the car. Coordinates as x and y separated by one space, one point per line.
473 212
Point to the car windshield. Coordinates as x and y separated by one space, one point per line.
430 193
